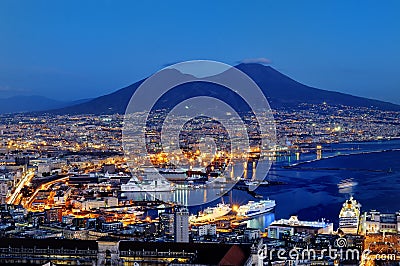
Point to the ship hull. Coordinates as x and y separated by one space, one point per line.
253 209
146 190
210 216
259 213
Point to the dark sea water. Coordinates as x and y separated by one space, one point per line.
311 185
312 189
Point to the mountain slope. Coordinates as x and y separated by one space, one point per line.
20 104
112 103
280 90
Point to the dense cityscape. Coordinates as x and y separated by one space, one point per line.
66 190
205 133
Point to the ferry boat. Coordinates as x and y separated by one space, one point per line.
245 184
171 174
253 208
134 185
256 183
174 174
349 216
211 213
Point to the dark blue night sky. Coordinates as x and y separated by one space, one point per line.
79 49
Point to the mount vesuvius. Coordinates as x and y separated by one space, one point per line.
280 90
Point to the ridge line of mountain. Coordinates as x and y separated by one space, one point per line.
280 90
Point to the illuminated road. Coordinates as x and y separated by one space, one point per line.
24 181
45 186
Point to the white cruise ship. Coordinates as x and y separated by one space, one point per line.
174 174
253 208
349 216
211 213
134 185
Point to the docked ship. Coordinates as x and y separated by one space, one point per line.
134 185
174 174
253 208
211 213
349 216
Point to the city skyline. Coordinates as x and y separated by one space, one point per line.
73 51
199 133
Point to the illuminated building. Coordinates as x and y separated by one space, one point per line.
181 225
207 229
99 203
3 189
156 253
53 215
41 251
167 224
106 251
289 227
376 222
111 226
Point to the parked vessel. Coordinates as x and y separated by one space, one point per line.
134 185
254 208
349 216
174 174
211 213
